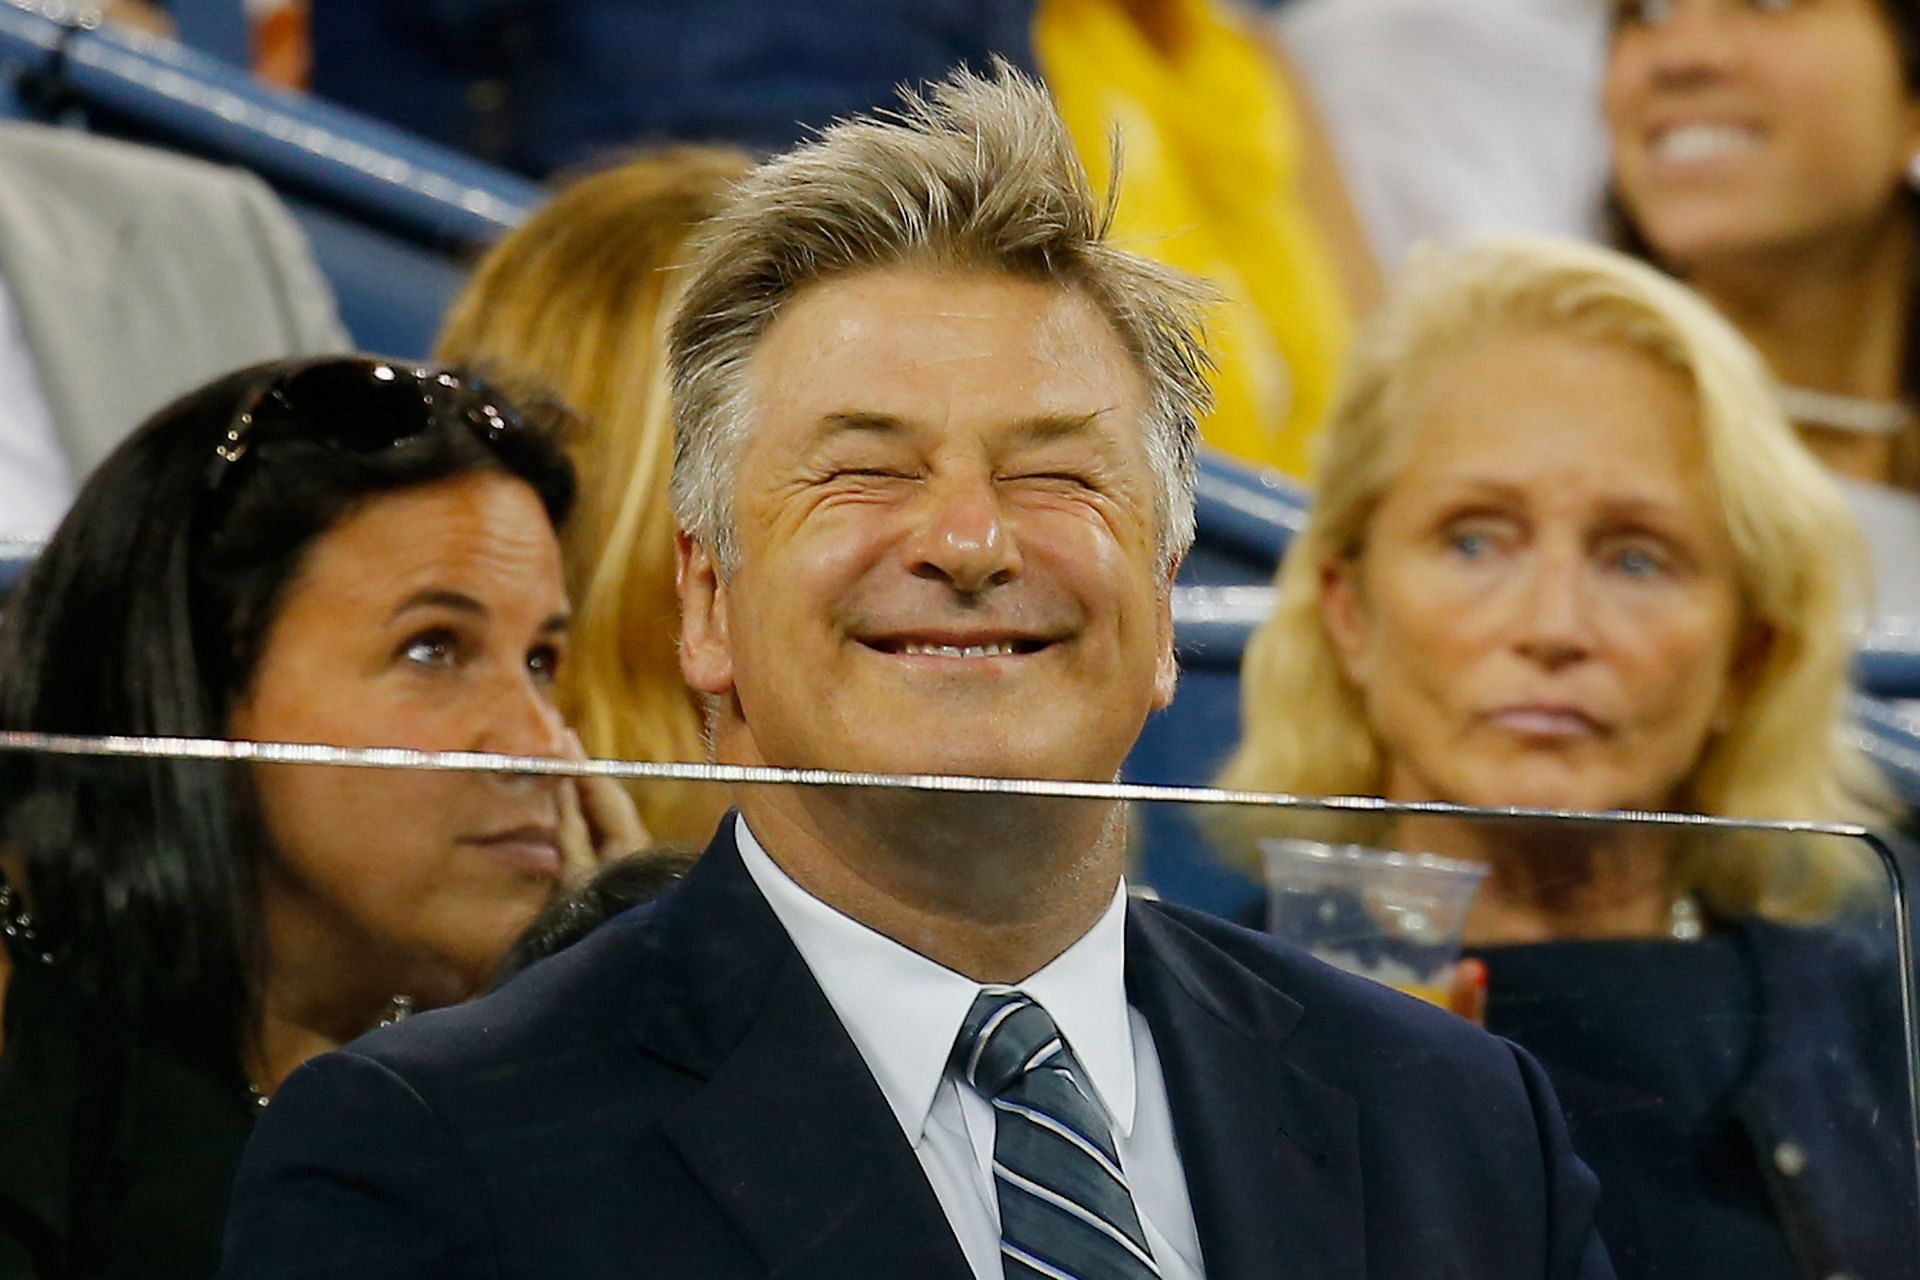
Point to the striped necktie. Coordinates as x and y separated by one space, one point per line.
1065 1211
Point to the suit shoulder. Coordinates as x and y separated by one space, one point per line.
562 1006
1342 1014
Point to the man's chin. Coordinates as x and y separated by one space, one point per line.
932 741
965 763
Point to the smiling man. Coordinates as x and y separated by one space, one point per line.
934 475
948 485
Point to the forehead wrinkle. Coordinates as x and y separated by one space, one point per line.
1035 429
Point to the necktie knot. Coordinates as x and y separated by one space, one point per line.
1005 1035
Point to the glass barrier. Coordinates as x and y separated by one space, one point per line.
1725 1011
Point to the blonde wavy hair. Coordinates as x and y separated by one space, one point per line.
1800 561
577 302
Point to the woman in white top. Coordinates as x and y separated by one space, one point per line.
1763 152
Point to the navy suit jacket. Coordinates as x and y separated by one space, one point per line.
674 1096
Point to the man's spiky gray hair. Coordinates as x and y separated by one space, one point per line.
977 172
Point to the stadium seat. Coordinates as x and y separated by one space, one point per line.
16 557
217 28
392 294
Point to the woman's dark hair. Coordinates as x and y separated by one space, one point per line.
1903 19
146 613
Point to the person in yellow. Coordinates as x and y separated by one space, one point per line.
1227 176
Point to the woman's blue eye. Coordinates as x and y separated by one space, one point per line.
1638 562
1471 545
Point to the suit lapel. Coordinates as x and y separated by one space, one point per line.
791 1136
1271 1154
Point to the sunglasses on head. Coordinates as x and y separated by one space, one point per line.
361 405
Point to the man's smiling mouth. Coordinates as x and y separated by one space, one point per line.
962 647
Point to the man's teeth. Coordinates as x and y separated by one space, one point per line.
1691 143
914 649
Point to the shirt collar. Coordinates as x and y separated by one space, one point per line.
903 1011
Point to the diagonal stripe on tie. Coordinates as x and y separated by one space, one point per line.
1060 1165
1065 1208
1052 1125
1019 1264
1055 1093
1054 1217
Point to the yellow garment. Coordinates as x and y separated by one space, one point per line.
1210 185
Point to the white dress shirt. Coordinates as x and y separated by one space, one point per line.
904 1012
36 483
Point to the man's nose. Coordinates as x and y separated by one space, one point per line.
1555 624
960 536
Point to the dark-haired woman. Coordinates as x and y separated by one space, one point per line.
345 551
1764 151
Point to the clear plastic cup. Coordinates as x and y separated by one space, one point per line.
1393 917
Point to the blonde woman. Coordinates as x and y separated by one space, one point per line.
1567 553
576 300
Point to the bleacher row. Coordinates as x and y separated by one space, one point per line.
393 219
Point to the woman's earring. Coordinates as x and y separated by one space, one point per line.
1913 170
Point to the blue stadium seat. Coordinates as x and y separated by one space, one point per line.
135 86
16 557
392 293
1188 743
1888 662
217 28
29 45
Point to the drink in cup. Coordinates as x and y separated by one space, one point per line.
1393 917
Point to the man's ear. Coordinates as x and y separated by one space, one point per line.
706 654
1343 612
1166 671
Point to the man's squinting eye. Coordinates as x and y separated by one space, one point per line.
869 473
1059 479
